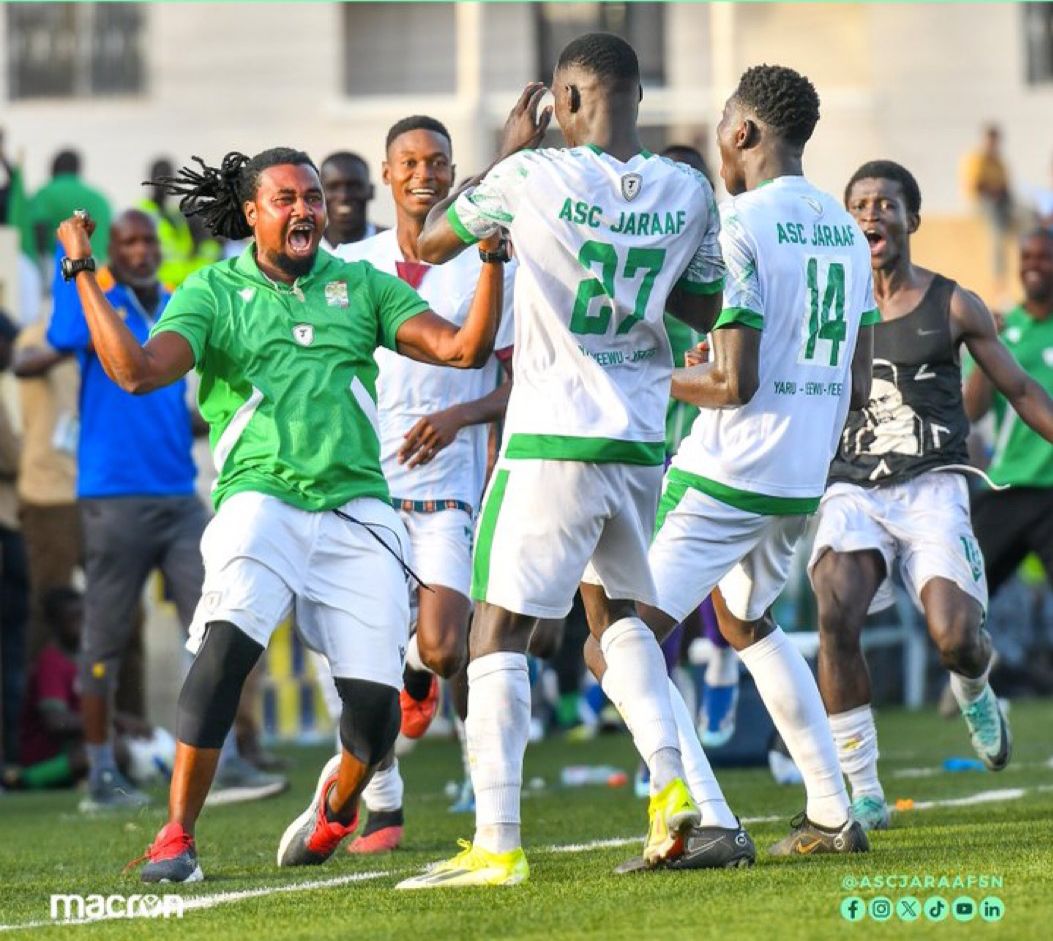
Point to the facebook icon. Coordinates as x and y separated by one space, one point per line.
853 908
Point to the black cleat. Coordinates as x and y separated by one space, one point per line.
704 848
807 838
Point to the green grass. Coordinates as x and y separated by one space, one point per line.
46 847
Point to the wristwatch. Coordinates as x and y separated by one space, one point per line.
71 267
498 256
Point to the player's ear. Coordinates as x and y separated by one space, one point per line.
574 95
385 175
747 135
913 222
453 174
249 208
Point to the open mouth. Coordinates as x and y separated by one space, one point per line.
299 239
424 192
875 239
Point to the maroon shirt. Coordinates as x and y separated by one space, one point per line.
52 676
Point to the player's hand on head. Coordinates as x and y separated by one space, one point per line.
428 437
74 234
525 127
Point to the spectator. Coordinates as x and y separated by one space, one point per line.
986 180
1042 204
57 199
51 739
182 249
135 486
348 193
12 563
47 477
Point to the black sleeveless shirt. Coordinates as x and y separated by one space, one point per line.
914 421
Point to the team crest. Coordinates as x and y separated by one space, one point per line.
303 333
247 294
336 294
1047 356
631 184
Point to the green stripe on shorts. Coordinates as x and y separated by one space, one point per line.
485 537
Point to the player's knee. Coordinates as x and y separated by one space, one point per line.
210 693
840 610
369 722
445 655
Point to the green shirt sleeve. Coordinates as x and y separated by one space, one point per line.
190 313
395 303
870 317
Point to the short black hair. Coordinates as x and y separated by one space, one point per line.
697 161
1038 232
55 599
216 193
783 99
889 170
346 156
416 122
607 56
66 161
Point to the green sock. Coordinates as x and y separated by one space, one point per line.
567 710
54 772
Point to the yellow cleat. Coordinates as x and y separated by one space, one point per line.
473 866
672 813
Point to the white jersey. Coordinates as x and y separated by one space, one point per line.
798 271
601 244
408 390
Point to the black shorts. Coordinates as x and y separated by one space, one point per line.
1010 524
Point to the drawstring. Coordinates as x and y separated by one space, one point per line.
398 558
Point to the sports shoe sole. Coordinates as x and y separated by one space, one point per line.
196 876
312 808
241 794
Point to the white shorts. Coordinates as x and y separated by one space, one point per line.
704 543
264 558
924 522
442 547
543 522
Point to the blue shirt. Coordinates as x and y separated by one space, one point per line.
129 445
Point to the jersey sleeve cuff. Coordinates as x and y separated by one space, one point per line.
870 317
193 341
701 288
391 339
458 227
742 315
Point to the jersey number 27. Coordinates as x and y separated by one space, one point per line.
647 260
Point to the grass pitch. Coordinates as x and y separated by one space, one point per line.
571 840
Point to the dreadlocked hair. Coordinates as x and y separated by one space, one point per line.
218 193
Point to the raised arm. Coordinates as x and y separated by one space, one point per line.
976 327
138 369
445 234
730 378
430 338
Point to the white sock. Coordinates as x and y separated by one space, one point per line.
700 780
790 694
723 667
637 684
384 791
968 689
497 727
857 750
413 660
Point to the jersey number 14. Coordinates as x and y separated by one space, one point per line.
825 329
598 320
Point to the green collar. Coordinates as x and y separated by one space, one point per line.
246 266
596 149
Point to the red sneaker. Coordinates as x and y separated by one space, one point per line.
382 833
171 857
418 713
311 838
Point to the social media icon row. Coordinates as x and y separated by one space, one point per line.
934 908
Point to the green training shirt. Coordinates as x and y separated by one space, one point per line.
1022 457
288 379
